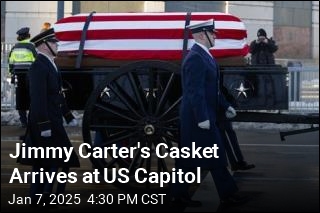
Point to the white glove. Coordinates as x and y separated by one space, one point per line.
73 122
204 124
231 112
46 133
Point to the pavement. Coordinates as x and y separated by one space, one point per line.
207 194
286 177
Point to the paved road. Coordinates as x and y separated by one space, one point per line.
120 199
286 178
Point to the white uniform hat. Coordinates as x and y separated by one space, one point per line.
203 26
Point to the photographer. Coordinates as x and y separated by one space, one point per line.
262 49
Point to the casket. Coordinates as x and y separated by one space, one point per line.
143 36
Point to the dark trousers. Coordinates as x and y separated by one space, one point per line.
223 180
98 139
61 187
229 137
46 187
23 116
40 188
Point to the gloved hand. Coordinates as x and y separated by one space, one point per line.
46 133
73 122
204 124
231 112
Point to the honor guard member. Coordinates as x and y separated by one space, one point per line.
229 137
47 109
201 99
21 56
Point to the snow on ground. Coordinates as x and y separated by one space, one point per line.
12 118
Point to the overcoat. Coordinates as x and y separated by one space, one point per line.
201 99
47 108
262 53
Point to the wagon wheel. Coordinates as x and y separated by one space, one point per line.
139 102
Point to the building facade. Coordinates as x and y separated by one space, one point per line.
294 25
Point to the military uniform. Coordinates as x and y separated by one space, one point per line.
47 109
201 100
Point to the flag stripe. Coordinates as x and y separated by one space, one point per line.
149 44
149 17
159 54
136 36
147 25
143 34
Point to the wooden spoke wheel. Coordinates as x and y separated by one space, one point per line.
135 107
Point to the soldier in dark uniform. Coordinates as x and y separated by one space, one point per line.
47 109
201 100
262 49
21 56
229 137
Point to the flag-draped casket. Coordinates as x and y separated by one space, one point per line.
139 36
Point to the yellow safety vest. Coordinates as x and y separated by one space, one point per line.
21 53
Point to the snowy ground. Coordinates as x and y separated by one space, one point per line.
12 118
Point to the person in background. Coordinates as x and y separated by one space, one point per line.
47 109
45 26
21 56
229 137
262 49
201 99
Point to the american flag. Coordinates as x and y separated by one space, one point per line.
136 36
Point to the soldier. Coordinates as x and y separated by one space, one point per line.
201 100
47 109
229 137
21 56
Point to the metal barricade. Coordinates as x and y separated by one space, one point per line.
7 89
7 92
303 89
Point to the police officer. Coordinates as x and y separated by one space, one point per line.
21 57
47 109
198 114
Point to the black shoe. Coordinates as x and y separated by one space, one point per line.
99 162
235 200
51 206
42 205
242 166
22 137
34 205
186 202
45 202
